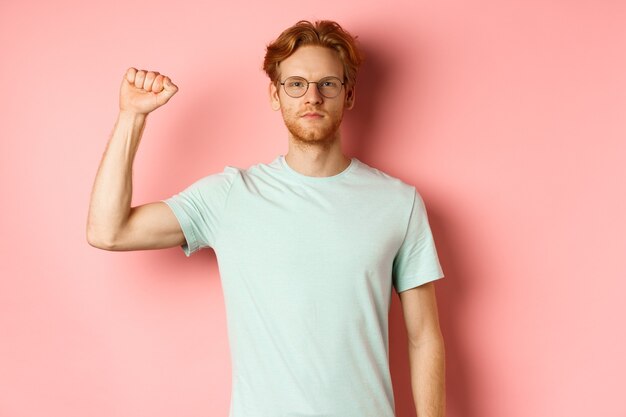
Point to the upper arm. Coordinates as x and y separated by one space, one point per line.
419 306
149 226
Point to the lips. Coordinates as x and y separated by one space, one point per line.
312 115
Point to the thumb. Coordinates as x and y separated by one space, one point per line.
169 89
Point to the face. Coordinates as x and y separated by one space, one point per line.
312 119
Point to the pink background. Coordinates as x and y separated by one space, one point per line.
507 116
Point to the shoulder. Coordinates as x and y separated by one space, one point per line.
215 181
233 173
386 184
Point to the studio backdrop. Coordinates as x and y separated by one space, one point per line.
507 116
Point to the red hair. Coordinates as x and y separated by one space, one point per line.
323 33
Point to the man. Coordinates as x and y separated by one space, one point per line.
309 245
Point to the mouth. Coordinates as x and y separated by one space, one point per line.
312 115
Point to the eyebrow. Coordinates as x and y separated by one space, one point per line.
301 76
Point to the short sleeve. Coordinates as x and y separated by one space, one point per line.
199 209
416 262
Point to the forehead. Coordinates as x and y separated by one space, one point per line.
312 62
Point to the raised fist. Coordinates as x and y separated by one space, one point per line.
144 91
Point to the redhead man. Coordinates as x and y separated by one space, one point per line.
309 245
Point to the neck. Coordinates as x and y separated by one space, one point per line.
317 159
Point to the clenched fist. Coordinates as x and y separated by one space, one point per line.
144 91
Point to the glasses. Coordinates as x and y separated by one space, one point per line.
328 87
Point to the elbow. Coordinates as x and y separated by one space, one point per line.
100 240
431 340
99 243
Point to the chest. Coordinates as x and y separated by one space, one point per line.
310 230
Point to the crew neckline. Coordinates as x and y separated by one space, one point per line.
310 178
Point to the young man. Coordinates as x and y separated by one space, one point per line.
309 245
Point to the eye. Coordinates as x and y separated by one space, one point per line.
295 83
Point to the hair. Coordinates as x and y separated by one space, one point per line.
324 33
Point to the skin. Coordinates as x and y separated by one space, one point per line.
112 224
314 150
314 143
426 349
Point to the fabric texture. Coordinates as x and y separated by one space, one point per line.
307 266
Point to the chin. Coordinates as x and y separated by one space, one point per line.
308 135
326 134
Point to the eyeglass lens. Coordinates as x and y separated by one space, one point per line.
329 87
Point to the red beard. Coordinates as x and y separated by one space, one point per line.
322 132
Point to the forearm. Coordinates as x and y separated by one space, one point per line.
427 362
112 190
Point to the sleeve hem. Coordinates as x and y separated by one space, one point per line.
416 282
191 242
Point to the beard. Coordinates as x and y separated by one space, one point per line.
321 133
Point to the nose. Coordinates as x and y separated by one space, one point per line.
313 95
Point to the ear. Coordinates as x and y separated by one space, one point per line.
274 99
350 97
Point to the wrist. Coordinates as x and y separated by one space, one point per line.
132 115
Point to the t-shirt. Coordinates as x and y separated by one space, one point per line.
307 266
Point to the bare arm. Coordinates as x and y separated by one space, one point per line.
112 223
426 350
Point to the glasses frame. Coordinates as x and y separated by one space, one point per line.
308 83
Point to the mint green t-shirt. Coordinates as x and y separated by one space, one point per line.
307 266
